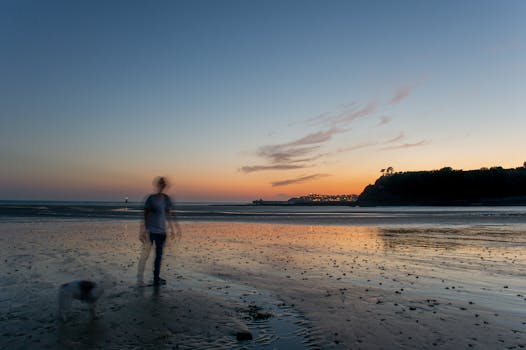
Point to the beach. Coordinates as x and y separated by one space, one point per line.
291 286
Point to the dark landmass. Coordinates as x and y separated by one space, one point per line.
495 186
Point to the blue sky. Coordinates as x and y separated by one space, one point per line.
99 97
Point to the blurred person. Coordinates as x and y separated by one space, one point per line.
157 217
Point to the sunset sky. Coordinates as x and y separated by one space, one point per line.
237 100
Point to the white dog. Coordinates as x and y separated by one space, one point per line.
85 291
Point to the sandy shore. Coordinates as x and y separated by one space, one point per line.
291 287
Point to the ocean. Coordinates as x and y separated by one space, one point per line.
311 215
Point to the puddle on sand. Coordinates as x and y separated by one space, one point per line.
272 323
284 329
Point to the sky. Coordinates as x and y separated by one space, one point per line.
239 100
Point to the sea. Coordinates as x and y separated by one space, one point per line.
283 214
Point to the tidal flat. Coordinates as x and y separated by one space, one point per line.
289 286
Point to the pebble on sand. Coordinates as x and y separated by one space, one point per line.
244 335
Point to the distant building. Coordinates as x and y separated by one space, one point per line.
312 198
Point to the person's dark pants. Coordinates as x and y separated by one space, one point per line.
159 240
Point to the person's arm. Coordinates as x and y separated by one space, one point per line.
172 221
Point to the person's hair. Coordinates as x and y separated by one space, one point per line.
160 182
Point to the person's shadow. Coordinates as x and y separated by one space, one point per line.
156 293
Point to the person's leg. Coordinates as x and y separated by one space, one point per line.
159 245
145 252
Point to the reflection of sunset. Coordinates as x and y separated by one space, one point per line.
423 259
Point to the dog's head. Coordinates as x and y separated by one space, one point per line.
90 291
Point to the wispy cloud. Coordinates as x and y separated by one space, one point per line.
317 137
278 154
291 155
384 120
343 118
346 118
316 119
407 145
357 146
401 94
298 180
349 116
307 151
400 137
254 168
295 154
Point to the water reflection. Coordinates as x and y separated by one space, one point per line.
389 257
471 238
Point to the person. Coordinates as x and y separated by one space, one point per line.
157 216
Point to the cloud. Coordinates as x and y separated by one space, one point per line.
306 151
384 120
254 168
401 94
350 112
317 137
349 116
278 154
344 117
400 137
357 146
315 119
298 180
407 145
297 151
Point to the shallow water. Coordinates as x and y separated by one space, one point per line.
301 215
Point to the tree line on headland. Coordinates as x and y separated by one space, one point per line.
494 186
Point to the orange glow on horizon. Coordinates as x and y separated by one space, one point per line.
185 186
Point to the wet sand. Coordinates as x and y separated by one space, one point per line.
290 286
